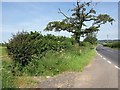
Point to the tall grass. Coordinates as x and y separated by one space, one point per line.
3 51
7 76
5 69
73 59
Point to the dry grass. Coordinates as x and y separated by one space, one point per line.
28 81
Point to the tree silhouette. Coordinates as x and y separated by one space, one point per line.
77 23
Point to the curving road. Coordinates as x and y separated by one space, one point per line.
109 54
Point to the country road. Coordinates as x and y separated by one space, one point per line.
102 72
108 53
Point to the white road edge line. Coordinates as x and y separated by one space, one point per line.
116 67
104 58
108 61
101 56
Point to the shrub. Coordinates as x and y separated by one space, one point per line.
24 46
51 43
20 48
29 49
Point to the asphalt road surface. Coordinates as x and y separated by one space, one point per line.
108 53
102 72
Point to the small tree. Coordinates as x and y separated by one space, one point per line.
82 13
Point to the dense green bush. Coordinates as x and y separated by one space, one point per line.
35 54
24 46
20 48
53 63
44 43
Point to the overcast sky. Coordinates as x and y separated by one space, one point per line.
34 16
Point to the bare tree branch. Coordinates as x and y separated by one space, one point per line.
74 5
63 14
94 5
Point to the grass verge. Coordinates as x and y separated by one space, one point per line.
3 51
52 64
74 59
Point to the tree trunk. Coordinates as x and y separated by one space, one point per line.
77 38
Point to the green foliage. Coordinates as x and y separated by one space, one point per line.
20 48
113 45
82 13
2 44
72 59
51 42
3 51
91 38
7 76
25 46
103 18
46 54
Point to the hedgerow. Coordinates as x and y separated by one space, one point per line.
20 48
24 46
113 44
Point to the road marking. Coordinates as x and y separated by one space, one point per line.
98 54
105 59
109 62
101 56
116 67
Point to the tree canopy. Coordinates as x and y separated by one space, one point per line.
76 23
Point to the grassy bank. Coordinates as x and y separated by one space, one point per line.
73 59
7 76
57 63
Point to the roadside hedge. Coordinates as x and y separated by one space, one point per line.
24 46
20 48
